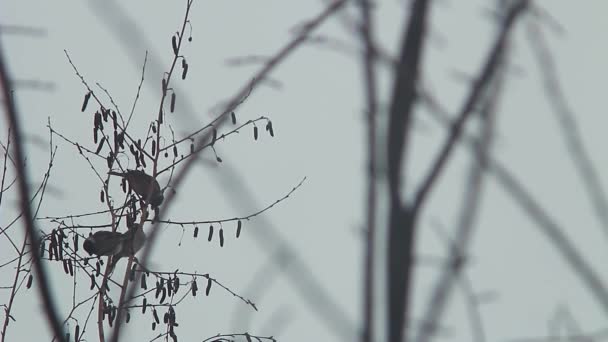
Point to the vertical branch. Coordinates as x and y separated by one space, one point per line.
23 186
401 230
368 61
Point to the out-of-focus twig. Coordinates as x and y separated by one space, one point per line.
470 203
23 183
570 130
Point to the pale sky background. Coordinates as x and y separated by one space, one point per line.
318 119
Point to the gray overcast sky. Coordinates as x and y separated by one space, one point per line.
318 120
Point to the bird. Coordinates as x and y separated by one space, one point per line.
115 244
144 185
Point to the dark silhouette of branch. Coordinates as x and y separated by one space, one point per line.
401 220
24 194
369 71
479 86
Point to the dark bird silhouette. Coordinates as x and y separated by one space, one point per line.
118 245
144 185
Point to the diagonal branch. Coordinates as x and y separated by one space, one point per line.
485 76
24 191
570 130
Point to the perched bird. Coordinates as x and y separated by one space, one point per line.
118 245
144 185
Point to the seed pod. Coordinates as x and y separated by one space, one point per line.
153 128
238 228
144 306
153 147
221 237
255 132
104 114
176 284
114 122
97 121
210 233
54 245
214 136
110 160
184 69
71 267
77 333
29 281
76 242
172 102
121 139
175 150
42 248
166 318
169 287
143 282
95 135
60 246
191 148
92 282
269 128
195 232
194 288
51 250
97 269
142 159
233 116
87 96
166 154
155 314
163 296
174 45
153 325
128 317
101 196
65 266
208 289
158 289
164 87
